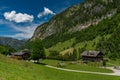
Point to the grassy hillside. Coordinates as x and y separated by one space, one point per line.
11 69
104 37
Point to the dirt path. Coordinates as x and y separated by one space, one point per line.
116 72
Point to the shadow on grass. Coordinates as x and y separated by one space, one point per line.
40 63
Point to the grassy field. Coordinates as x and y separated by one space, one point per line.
94 67
114 62
11 69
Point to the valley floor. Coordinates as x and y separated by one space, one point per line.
115 71
11 69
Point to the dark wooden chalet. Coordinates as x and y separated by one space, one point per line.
21 55
94 56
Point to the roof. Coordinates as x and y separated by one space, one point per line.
90 53
19 53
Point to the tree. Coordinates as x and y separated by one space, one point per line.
28 45
6 49
75 56
104 63
37 50
53 54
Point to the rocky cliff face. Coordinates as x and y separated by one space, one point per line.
78 17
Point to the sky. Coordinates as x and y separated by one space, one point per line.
20 18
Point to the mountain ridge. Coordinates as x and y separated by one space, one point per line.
14 43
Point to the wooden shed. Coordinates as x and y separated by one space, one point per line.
21 55
94 56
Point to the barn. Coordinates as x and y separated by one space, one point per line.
93 56
25 55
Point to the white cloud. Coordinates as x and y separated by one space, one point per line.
18 17
25 32
45 12
21 31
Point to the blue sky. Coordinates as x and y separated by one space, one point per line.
19 18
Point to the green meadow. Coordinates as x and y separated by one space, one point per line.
93 67
11 69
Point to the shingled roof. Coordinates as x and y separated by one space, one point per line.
21 52
90 53
18 53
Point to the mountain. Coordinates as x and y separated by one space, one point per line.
14 43
90 25
78 17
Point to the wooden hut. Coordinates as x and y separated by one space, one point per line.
21 55
94 56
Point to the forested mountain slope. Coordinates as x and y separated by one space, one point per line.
90 25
